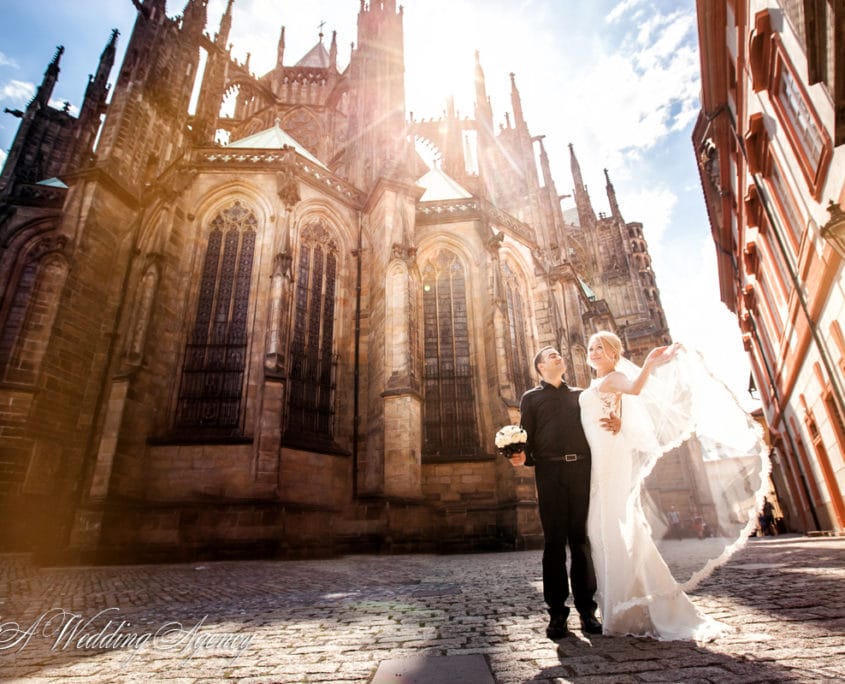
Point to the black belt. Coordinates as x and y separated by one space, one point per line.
566 458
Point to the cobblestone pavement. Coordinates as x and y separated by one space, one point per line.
338 620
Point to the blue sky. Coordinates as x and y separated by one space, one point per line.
617 78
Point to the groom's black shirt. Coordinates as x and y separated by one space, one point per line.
551 417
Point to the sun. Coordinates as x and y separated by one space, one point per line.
441 39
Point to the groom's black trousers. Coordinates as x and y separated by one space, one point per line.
563 491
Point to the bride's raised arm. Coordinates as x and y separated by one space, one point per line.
619 382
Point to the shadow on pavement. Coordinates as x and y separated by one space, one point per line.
629 659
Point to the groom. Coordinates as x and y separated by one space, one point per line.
558 448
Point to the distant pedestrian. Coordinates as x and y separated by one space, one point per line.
675 528
767 518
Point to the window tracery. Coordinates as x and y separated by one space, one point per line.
313 363
29 321
449 428
517 348
211 390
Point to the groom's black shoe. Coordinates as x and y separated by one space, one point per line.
557 628
589 625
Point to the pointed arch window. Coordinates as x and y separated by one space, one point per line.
29 323
517 349
211 390
449 429
310 417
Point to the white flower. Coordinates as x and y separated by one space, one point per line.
510 434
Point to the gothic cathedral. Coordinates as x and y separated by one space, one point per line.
298 342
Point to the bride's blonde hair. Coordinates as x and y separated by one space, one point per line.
611 343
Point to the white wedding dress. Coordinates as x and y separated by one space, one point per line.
637 593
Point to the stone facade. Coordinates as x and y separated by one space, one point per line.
298 343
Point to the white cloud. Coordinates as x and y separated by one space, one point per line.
646 89
638 86
3 156
654 208
8 61
60 104
17 91
616 13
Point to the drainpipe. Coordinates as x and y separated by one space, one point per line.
356 372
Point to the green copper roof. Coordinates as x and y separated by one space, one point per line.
52 182
274 138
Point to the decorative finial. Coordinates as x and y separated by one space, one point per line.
836 213
834 229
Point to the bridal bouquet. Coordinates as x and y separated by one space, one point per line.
510 440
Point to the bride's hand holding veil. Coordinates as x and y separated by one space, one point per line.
660 355
618 382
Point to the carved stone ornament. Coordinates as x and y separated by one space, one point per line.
287 187
404 252
494 242
50 243
281 264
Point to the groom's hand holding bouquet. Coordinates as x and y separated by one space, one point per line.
517 459
510 441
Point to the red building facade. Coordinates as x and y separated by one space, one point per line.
769 143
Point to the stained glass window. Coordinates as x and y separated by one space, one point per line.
517 348
313 363
449 428
211 391
29 323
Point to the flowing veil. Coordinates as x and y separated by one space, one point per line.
700 465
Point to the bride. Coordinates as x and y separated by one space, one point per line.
637 592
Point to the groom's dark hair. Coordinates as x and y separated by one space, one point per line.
538 358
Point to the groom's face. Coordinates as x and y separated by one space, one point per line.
552 364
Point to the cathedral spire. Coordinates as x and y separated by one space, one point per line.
30 140
93 105
333 51
516 103
222 36
586 215
483 112
51 75
558 235
195 16
454 163
523 137
611 198
106 63
280 51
